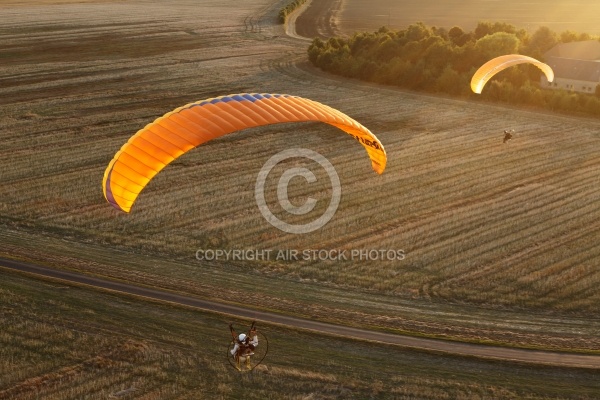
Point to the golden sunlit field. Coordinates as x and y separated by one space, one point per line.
558 15
499 240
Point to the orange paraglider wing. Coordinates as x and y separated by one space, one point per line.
157 144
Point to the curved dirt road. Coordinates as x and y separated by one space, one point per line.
454 348
317 19
290 23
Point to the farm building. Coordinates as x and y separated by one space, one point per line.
576 66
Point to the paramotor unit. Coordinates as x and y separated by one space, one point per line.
246 351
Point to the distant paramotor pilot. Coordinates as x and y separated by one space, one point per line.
508 135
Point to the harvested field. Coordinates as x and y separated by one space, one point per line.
60 342
483 225
369 15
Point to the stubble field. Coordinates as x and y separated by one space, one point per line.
573 15
59 341
504 232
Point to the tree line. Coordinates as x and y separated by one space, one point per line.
288 9
439 60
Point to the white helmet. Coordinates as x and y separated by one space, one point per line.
242 337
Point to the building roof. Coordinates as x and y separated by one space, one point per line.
580 70
584 50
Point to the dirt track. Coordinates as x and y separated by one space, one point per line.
320 19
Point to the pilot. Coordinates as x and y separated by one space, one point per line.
244 346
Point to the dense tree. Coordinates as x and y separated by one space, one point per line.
449 81
417 32
488 28
542 40
288 9
497 44
315 49
459 37
438 53
593 106
568 36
